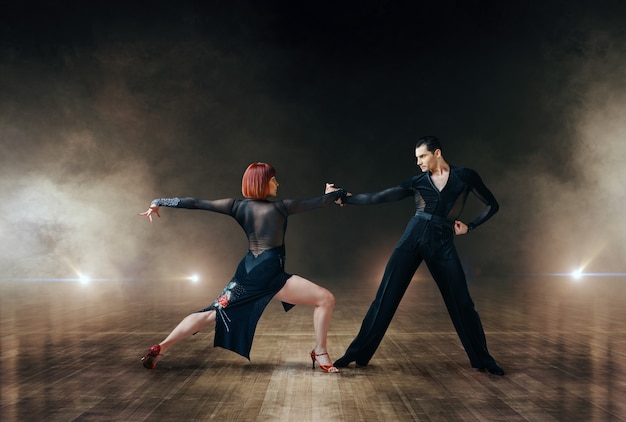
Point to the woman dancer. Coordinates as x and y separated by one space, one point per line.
260 276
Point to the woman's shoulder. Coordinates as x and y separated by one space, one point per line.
256 203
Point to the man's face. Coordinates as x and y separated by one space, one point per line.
426 160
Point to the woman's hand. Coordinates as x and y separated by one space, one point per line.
153 209
330 188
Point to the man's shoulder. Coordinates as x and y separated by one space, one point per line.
467 175
411 181
463 171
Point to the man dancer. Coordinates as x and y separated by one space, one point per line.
440 193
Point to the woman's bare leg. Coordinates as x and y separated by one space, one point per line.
300 291
191 324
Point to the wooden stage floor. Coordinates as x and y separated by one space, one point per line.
71 353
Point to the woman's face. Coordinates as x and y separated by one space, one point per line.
273 183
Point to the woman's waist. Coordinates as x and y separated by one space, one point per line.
273 250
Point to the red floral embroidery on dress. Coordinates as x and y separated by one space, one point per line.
231 292
223 301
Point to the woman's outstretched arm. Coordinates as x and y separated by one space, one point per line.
222 206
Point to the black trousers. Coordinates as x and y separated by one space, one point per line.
430 239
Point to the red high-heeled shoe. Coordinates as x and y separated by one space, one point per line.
326 368
152 357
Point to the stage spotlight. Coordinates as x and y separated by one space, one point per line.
83 279
194 278
577 274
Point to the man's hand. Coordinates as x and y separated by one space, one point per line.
460 227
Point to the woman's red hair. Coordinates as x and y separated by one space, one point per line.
255 180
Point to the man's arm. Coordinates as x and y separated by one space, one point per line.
481 191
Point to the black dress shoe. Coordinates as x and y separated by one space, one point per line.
342 362
494 368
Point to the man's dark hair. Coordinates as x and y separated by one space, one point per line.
432 143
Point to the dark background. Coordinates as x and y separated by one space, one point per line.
107 105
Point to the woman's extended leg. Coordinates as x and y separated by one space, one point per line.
191 324
300 291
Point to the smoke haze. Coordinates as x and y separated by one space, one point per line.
103 109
